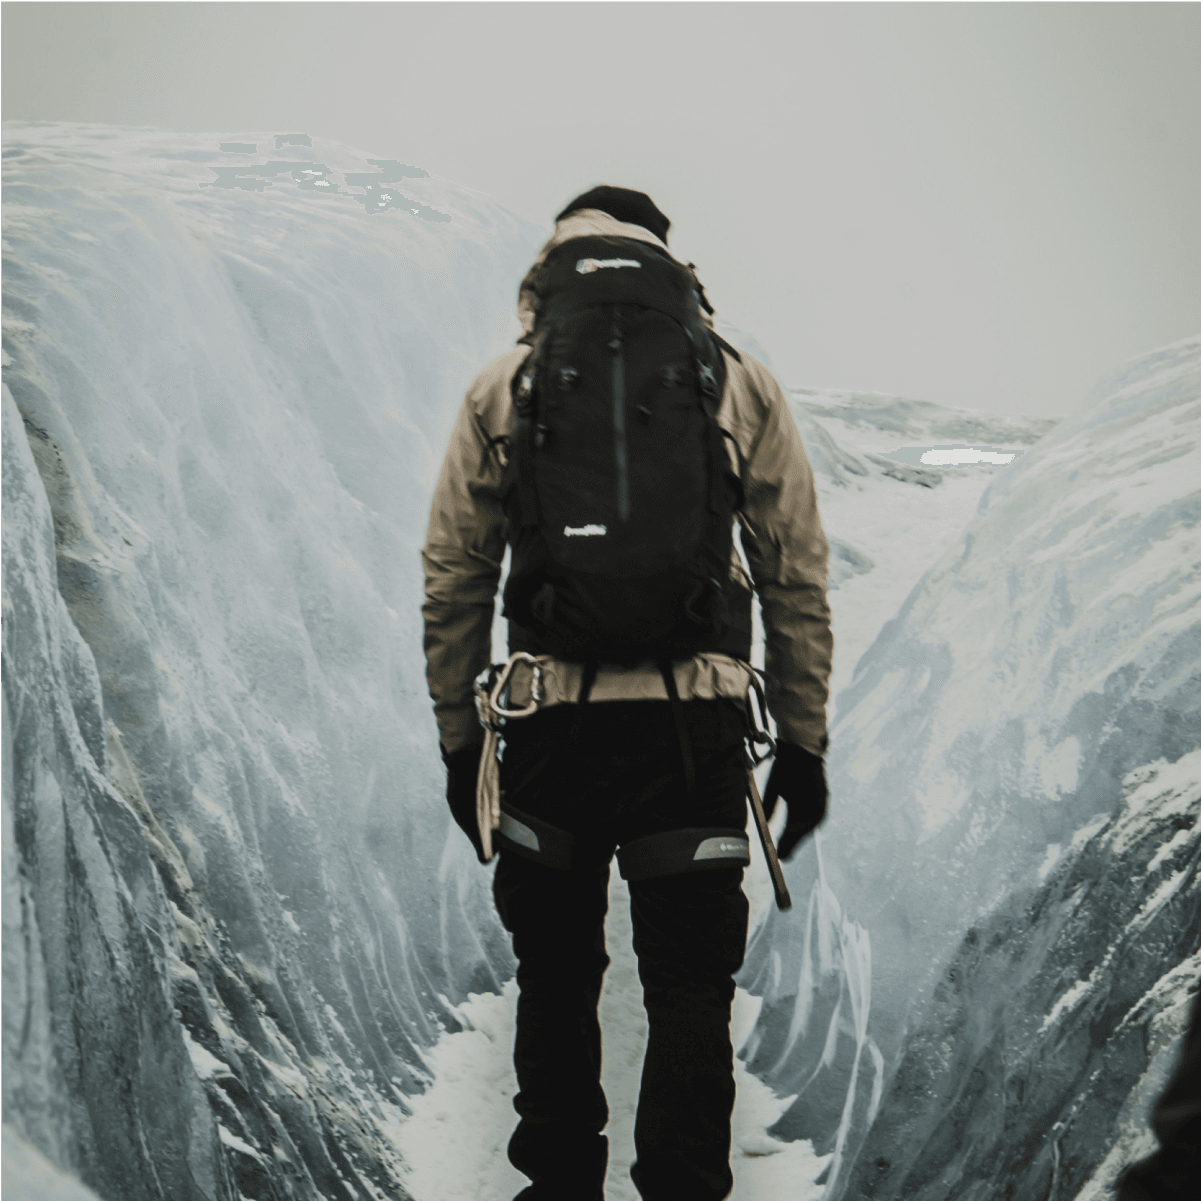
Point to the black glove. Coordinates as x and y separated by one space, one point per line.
800 778
462 772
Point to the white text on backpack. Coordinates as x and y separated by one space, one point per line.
587 266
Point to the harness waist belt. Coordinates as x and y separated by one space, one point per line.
704 677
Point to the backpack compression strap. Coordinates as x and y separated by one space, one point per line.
524 391
677 712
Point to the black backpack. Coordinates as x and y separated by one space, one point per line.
618 490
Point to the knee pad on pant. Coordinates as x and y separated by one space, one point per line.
679 851
532 838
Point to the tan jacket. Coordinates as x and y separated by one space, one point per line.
782 539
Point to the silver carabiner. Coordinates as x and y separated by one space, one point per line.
503 679
758 734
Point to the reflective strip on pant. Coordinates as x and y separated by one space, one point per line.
678 851
534 839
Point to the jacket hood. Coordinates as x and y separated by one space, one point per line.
581 224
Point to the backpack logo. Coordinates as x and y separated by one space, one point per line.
587 266
585 531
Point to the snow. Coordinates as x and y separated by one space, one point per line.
1058 769
1087 831
205 1062
1103 943
223 408
1171 999
454 1141
1047 649
1053 853
1066 1002
1179 842
231 1140
228 380
1168 786
1160 896
30 1176
902 529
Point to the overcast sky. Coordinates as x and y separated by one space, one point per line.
983 205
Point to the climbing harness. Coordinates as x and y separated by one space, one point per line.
488 689
669 853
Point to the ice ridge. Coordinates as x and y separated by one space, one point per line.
1046 656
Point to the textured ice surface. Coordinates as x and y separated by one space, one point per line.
234 916
30 1176
1056 1025
240 935
1051 652
874 421
229 892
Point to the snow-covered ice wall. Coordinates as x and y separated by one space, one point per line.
232 913
235 913
1025 727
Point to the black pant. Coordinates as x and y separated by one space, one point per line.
609 773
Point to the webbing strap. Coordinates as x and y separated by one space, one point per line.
524 390
740 458
527 489
497 446
591 667
715 448
532 838
588 678
677 851
710 400
677 712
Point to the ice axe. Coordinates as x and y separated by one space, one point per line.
783 900
757 736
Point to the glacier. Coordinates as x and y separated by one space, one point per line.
235 913
245 951
1043 668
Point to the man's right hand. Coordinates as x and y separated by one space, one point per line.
800 778
462 772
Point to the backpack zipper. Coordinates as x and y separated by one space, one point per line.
619 423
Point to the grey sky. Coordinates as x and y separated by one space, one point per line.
986 205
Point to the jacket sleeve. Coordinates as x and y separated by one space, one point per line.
464 546
786 550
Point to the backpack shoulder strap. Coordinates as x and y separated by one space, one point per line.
725 346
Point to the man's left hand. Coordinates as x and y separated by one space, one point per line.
800 779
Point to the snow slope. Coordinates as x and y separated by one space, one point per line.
235 916
887 522
1047 655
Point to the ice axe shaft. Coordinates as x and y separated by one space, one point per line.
783 900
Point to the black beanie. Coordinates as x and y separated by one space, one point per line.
626 205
